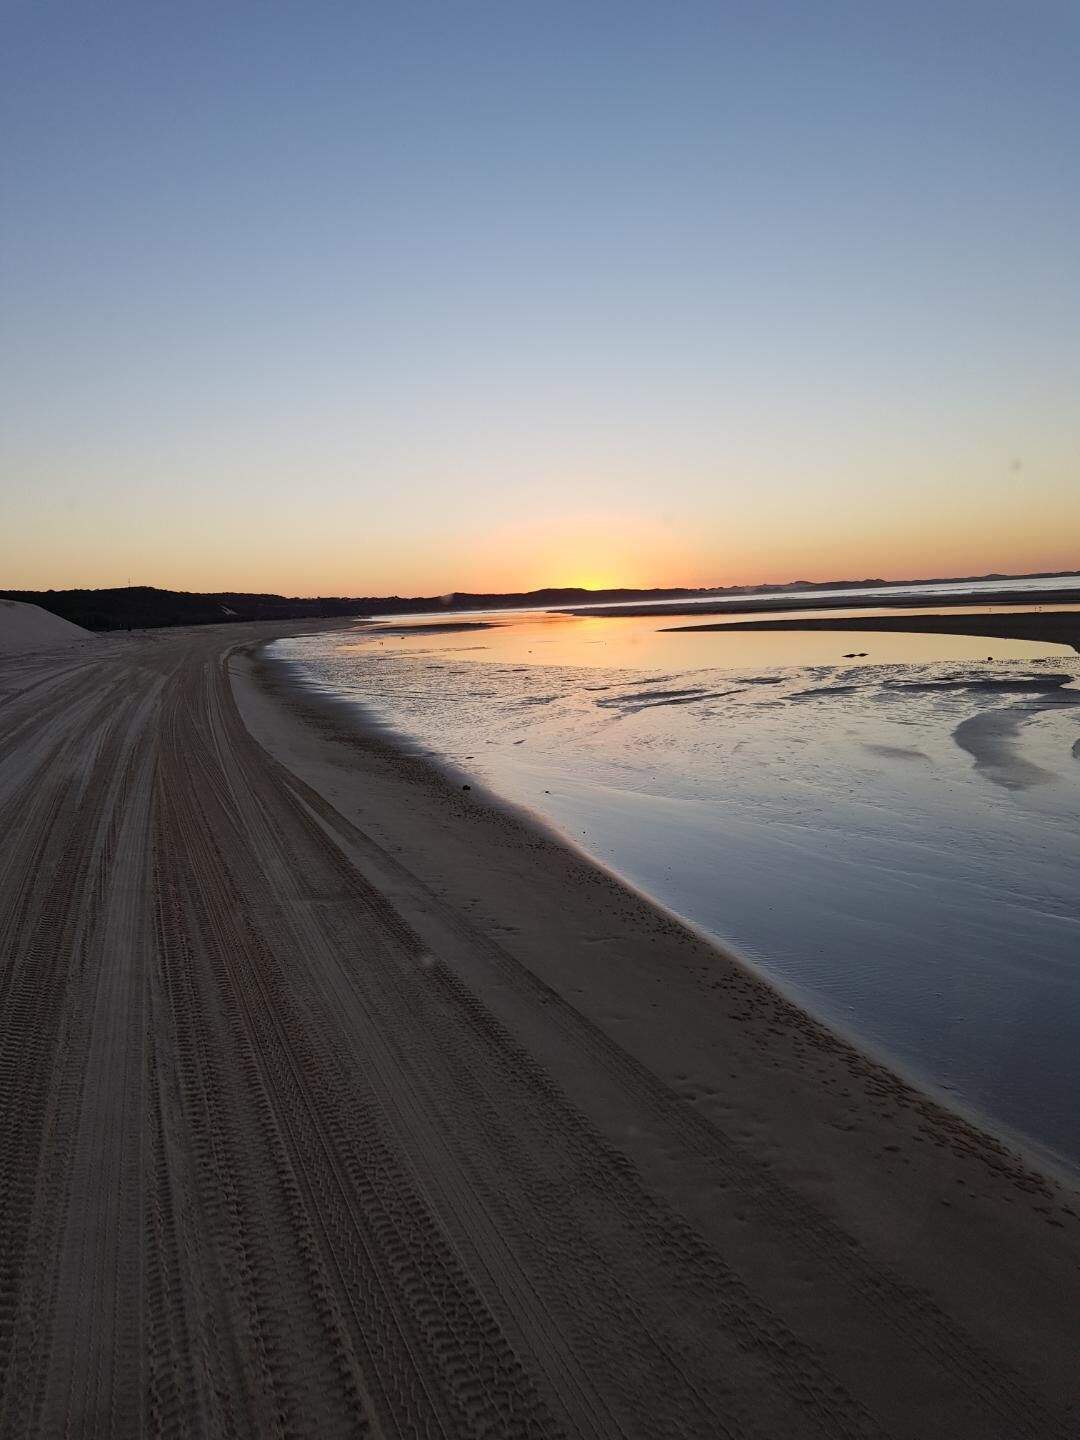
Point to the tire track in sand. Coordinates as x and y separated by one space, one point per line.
271 1164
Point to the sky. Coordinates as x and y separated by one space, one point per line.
333 297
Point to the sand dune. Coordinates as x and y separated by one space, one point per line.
26 629
338 1102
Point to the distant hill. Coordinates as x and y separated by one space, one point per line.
141 607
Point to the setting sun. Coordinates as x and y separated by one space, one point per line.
598 581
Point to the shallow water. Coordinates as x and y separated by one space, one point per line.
561 638
893 838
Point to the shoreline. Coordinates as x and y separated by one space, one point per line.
289 682
837 1117
350 1101
366 733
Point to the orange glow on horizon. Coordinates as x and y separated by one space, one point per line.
595 550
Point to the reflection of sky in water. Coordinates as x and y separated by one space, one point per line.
562 639
894 840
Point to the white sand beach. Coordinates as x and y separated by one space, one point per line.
341 1100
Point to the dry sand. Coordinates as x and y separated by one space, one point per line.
339 1101
27 629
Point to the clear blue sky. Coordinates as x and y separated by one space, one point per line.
362 298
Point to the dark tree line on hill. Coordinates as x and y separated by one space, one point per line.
143 607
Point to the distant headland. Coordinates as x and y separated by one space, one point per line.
146 607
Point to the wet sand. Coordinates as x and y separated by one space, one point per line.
1061 627
342 1100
